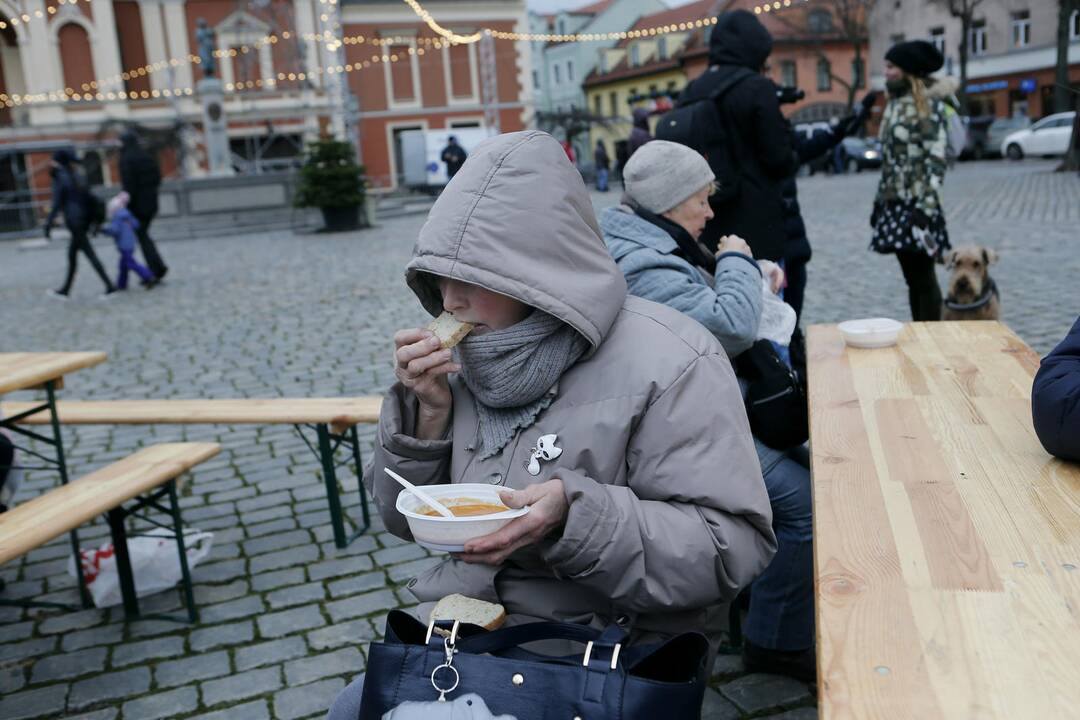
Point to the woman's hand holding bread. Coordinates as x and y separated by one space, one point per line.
421 364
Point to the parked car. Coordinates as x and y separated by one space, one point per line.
1050 136
995 134
861 154
977 132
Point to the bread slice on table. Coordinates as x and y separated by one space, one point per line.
449 330
489 616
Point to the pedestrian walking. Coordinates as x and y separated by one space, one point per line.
71 196
603 166
140 176
640 134
756 136
124 227
454 156
907 218
622 156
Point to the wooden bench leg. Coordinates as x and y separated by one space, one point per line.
178 525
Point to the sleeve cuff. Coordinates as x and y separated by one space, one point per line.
747 258
590 519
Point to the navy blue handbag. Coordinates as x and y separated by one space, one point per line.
607 682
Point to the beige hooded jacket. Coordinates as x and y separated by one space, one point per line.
668 511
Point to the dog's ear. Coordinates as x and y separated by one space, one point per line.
989 256
950 259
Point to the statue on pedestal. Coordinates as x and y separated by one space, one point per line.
207 39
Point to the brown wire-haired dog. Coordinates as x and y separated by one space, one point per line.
972 293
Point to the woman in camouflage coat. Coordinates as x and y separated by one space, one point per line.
908 219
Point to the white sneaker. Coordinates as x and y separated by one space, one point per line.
56 294
107 295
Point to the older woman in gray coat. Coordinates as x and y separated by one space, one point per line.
655 511
653 237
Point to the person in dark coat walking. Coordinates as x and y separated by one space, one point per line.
759 132
640 134
71 196
141 178
603 166
454 156
1055 398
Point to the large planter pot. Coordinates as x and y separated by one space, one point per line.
337 219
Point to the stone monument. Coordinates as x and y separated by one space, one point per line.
212 97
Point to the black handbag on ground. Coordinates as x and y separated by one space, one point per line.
607 682
776 401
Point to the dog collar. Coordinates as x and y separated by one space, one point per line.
982 301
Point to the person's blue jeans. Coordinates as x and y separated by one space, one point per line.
781 615
347 704
127 263
602 180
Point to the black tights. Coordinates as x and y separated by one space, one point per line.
924 294
79 241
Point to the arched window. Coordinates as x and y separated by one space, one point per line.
76 58
820 21
824 75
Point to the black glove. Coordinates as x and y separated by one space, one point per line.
920 219
848 126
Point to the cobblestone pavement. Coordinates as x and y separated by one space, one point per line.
286 616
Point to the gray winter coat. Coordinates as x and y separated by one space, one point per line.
668 512
728 305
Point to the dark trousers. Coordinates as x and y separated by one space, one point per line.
128 263
795 270
149 249
781 615
924 293
79 241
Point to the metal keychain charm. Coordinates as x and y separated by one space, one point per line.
449 649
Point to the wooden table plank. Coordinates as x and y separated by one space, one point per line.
345 411
53 513
947 542
21 371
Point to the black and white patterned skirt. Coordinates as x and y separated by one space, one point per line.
893 224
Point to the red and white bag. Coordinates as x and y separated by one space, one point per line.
155 564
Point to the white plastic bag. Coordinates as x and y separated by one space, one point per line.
778 319
155 564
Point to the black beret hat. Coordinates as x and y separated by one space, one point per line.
915 57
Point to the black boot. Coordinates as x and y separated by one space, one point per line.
798 664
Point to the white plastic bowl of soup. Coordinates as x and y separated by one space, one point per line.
871 332
478 511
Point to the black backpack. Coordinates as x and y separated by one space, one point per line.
776 401
699 124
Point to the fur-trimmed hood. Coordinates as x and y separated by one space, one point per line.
942 88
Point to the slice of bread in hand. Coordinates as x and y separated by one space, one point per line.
449 331
489 616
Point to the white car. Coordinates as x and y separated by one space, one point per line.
1049 136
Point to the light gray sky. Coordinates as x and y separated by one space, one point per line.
546 6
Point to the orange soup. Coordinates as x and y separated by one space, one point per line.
466 507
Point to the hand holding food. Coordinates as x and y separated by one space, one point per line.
773 273
733 243
422 360
548 509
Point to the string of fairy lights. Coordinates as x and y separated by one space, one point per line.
101 90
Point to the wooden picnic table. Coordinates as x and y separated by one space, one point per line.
32 370
946 540
23 371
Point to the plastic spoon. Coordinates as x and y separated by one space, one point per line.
427 499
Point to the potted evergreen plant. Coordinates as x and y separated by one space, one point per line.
332 181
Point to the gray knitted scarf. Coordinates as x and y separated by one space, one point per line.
510 372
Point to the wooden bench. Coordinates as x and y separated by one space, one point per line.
139 476
333 420
946 540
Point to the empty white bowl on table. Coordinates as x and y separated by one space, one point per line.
451 534
871 332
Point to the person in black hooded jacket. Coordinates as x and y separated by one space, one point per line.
71 197
759 131
141 177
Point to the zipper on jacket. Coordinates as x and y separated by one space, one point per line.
782 393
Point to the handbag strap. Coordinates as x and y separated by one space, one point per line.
498 641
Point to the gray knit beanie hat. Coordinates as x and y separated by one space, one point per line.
662 174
